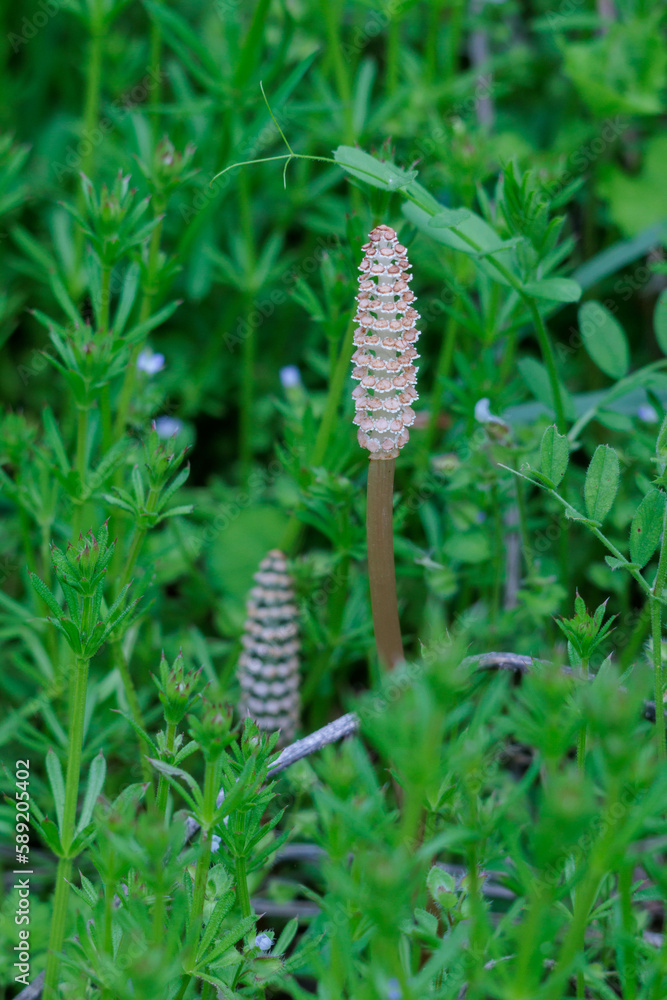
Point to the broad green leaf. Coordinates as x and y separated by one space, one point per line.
660 321
450 218
604 339
421 218
555 289
554 454
55 773
96 776
646 527
619 255
377 173
469 228
601 482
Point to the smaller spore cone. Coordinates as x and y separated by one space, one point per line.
385 339
269 663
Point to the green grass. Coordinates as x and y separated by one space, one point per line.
234 159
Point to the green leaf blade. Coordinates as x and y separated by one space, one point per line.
554 454
604 339
601 482
646 527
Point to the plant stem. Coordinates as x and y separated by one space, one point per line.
629 931
211 786
393 36
381 570
242 886
584 899
163 785
581 739
655 599
57 934
63 874
136 546
81 465
441 373
549 362
336 386
332 13
249 345
454 28
325 432
103 329
90 107
642 625
523 526
148 297
155 63
252 45
121 664
498 553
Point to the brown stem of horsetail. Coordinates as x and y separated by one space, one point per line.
381 571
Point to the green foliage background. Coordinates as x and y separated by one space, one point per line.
519 113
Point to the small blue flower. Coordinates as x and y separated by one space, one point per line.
149 362
647 413
394 991
166 427
290 377
263 942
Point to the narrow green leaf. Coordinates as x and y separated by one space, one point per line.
286 937
46 595
660 321
536 377
646 527
470 227
57 783
601 482
228 940
377 173
96 776
554 454
52 435
141 733
555 289
220 911
604 339
49 832
174 772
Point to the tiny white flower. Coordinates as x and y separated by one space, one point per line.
647 413
263 942
150 362
166 427
483 412
215 843
290 377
